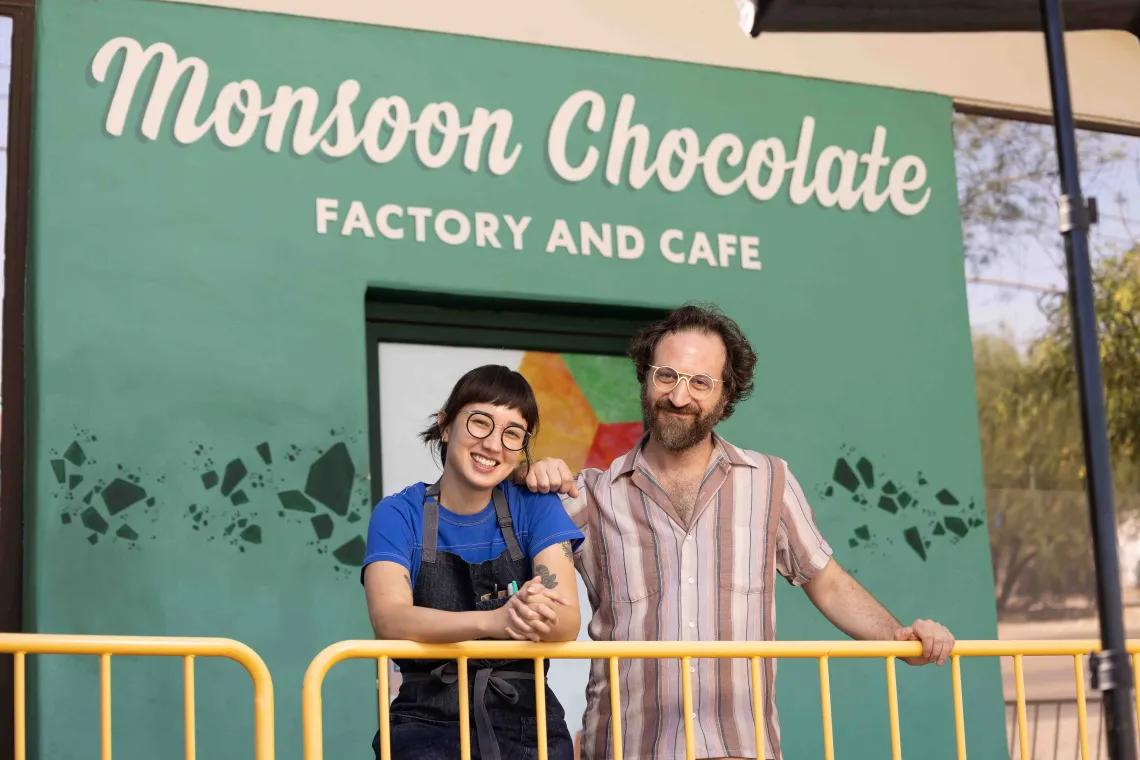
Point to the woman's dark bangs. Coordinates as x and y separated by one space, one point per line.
499 386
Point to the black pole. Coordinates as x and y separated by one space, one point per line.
1112 671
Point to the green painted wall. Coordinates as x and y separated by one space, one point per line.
186 311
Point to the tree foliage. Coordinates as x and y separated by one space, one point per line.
1028 404
1032 447
1039 538
1116 280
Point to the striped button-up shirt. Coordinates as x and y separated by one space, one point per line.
651 577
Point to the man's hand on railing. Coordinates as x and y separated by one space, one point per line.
937 641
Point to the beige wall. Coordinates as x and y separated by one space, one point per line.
1002 70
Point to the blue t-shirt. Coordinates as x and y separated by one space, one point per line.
395 531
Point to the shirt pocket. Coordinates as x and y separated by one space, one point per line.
746 573
632 573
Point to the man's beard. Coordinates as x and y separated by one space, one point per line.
678 433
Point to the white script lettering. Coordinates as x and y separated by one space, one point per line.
487 132
679 155
836 177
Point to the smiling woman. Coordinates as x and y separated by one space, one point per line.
472 556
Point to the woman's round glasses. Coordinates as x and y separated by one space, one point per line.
481 425
667 378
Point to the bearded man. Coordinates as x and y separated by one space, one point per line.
684 536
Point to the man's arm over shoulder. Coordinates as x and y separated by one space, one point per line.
583 499
552 475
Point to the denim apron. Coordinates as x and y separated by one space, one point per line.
424 717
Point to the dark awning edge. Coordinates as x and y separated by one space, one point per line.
918 16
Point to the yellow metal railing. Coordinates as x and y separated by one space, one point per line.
19 645
384 651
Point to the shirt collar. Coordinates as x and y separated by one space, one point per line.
723 453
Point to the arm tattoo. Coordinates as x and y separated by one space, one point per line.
549 579
567 550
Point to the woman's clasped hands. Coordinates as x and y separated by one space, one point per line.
531 613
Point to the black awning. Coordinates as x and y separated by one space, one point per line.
930 15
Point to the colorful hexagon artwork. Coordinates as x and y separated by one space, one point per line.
566 421
589 405
612 440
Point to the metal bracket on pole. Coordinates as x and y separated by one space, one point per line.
1110 670
1076 216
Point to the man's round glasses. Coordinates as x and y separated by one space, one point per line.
667 378
481 425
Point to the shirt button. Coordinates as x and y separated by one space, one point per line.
691 580
692 624
689 537
691 670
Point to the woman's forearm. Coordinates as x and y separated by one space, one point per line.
430 626
569 623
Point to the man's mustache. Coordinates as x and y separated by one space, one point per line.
666 405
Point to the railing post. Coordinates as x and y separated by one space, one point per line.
687 702
540 704
825 705
615 708
893 708
1019 686
105 703
20 708
758 705
1082 708
189 719
382 689
464 712
959 710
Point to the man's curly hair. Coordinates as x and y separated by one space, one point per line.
740 359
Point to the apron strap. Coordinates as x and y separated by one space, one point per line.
507 525
431 524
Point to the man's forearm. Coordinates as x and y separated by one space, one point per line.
849 606
860 615
853 610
